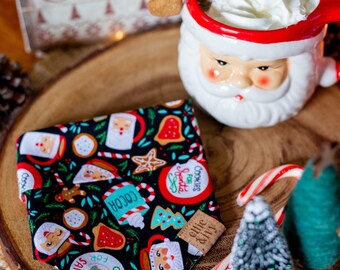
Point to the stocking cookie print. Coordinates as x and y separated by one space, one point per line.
42 148
122 129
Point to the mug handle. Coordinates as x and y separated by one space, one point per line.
151 191
142 128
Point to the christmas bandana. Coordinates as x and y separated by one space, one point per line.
113 192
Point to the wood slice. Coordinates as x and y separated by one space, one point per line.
142 71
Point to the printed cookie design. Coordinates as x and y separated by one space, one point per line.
107 238
68 194
149 162
127 205
75 218
84 145
164 218
187 183
121 130
174 104
43 145
170 130
96 170
96 261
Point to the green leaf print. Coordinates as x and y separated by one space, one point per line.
101 137
151 115
123 165
135 248
150 131
112 225
100 126
132 233
56 205
62 167
174 147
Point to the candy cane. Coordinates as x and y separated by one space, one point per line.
255 187
114 188
113 155
211 207
195 125
131 211
84 243
268 179
200 148
57 177
62 128
149 189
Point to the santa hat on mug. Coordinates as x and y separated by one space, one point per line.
270 44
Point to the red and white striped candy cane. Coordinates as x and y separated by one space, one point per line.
114 188
62 128
255 187
211 206
113 155
84 243
200 150
131 211
268 179
151 191
195 125
57 177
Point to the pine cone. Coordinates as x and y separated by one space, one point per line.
14 88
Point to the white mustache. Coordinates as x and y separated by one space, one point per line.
253 93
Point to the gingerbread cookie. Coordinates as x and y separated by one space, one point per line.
174 104
75 218
107 238
68 194
165 8
84 145
148 163
170 130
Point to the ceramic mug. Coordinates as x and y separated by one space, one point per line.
249 78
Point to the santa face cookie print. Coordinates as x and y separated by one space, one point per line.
96 170
43 145
166 255
121 130
186 183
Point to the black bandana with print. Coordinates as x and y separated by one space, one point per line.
113 192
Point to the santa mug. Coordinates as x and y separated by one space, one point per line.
252 78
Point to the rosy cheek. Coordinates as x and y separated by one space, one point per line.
263 81
213 73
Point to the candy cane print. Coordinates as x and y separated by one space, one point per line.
268 179
200 149
113 155
62 128
57 177
84 243
211 206
151 191
195 125
114 188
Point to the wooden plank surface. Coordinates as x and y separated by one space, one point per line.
131 75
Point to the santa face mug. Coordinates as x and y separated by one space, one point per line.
250 78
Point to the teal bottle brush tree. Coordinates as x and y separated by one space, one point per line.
312 222
259 243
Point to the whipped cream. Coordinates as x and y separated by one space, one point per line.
261 14
136 220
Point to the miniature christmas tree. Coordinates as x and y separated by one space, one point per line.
313 212
259 244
